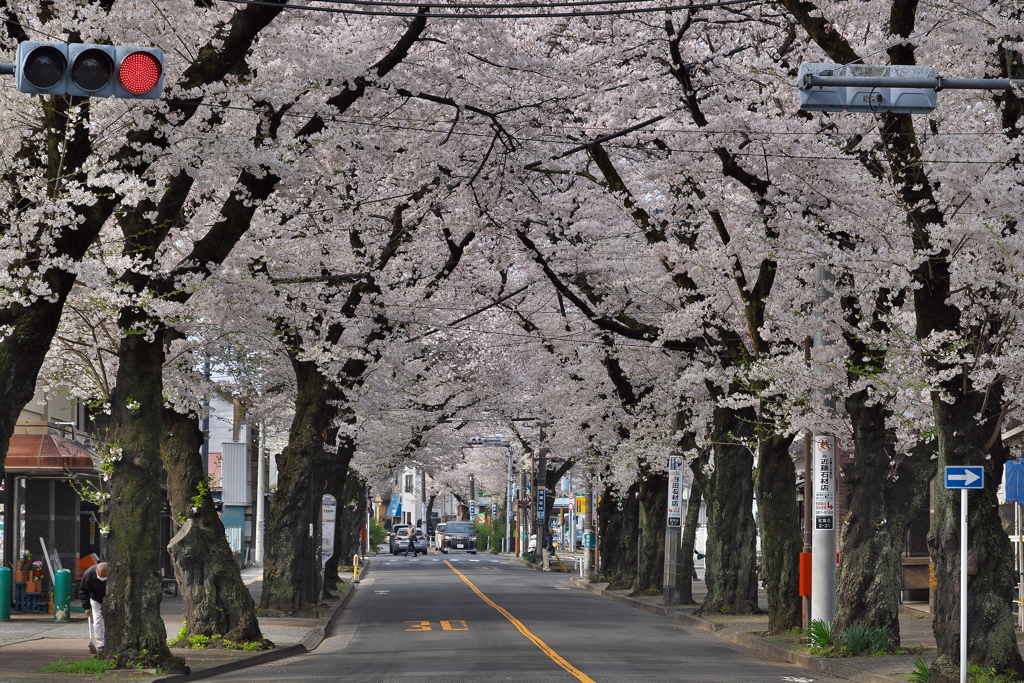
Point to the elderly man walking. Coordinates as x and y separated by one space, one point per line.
93 590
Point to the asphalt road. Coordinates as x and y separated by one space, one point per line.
421 620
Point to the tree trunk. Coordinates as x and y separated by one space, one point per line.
780 532
135 630
653 508
351 518
884 495
290 580
686 548
964 428
216 601
731 552
619 519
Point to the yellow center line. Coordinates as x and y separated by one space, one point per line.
544 647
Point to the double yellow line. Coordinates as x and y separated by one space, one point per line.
544 647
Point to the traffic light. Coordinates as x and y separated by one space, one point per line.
89 70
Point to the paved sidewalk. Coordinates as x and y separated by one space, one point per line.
30 641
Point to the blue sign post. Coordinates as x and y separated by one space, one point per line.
964 477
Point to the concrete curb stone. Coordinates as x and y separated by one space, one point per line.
310 642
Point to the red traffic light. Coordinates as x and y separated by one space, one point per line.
140 72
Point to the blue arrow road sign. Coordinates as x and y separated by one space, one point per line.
965 477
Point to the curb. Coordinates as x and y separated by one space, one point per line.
311 641
800 659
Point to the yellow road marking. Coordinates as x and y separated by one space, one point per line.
419 626
544 647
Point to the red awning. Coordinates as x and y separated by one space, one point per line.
47 454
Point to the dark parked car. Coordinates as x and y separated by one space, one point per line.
402 541
457 537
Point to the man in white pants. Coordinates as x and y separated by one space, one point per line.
93 590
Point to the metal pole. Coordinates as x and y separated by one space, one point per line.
1020 569
261 494
963 585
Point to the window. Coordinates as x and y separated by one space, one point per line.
409 483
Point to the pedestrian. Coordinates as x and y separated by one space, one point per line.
93 590
548 548
531 548
412 543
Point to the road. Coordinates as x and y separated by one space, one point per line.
482 619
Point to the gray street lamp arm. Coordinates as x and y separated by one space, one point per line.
811 80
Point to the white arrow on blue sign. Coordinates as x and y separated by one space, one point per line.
965 477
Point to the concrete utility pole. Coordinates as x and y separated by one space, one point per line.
823 536
542 484
673 529
261 494
588 530
510 506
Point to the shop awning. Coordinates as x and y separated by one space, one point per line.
48 454
395 509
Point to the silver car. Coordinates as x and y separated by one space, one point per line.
419 540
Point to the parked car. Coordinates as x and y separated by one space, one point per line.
457 537
402 541
393 536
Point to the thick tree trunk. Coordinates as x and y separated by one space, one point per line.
885 492
135 631
686 548
216 601
731 575
780 532
964 428
653 508
290 580
350 519
619 520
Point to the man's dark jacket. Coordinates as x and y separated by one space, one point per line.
92 588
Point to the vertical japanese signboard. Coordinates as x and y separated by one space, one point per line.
542 504
328 515
824 482
675 490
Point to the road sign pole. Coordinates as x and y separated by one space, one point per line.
964 477
963 585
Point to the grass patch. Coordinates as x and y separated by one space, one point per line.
92 665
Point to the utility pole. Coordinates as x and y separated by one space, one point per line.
589 538
542 483
509 503
261 494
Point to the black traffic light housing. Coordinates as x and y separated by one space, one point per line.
86 70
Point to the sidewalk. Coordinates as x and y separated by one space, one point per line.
30 641
751 631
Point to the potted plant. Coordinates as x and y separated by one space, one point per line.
22 574
37 573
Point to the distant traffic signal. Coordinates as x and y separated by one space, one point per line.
89 70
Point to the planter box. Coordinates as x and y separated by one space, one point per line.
33 586
21 576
